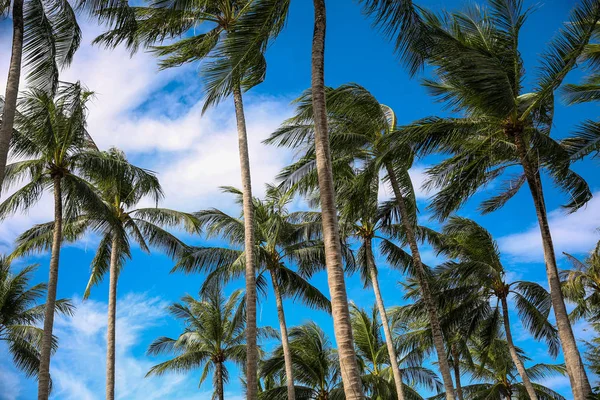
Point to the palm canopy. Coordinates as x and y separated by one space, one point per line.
315 362
282 237
476 269
20 314
580 285
500 126
213 334
373 357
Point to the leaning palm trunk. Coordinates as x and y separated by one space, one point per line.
251 345
456 364
384 321
12 85
580 384
112 323
436 329
219 374
44 371
285 344
333 254
513 353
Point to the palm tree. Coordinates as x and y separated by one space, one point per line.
281 237
373 355
19 314
315 362
478 269
51 135
479 71
359 125
45 38
580 285
213 335
494 376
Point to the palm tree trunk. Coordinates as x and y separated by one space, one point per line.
251 345
12 85
389 341
285 344
513 352
456 364
44 371
219 374
112 319
580 384
436 329
331 236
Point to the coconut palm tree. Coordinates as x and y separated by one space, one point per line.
57 153
373 355
359 125
478 269
315 362
494 376
478 73
580 285
281 238
213 336
45 38
20 313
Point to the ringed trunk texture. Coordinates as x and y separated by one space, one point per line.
580 384
219 373
513 352
384 321
112 320
333 255
251 345
44 371
12 85
285 344
436 329
456 364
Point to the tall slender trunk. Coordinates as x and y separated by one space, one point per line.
44 371
219 375
12 85
456 364
112 319
436 329
389 341
580 384
285 344
513 352
331 236
251 346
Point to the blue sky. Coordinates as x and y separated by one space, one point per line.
155 117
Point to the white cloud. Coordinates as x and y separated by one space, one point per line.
572 233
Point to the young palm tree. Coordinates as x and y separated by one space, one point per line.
580 285
478 269
19 314
45 38
315 362
51 136
212 337
359 125
373 355
281 237
479 70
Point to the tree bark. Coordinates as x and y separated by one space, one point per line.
287 354
251 345
456 364
513 352
12 85
384 320
333 255
44 371
219 373
580 384
436 329
112 319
